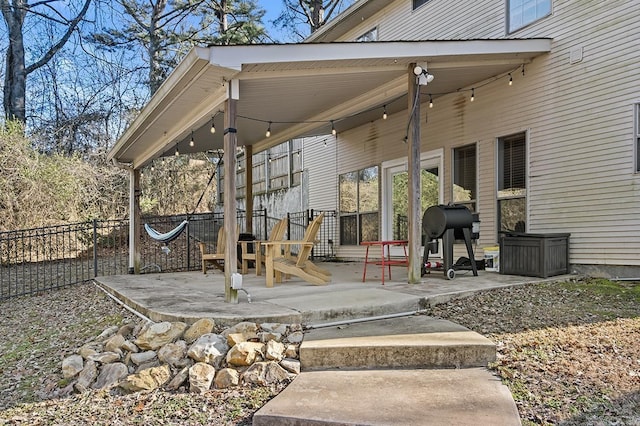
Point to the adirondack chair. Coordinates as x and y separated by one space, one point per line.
279 263
217 258
277 234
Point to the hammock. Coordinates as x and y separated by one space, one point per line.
167 237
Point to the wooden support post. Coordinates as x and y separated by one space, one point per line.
248 174
135 218
230 167
414 192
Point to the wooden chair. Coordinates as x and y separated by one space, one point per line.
277 234
279 264
217 258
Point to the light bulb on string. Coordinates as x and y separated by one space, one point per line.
334 132
473 94
268 132
430 101
384 113
213 126
510 79
192 142
177 152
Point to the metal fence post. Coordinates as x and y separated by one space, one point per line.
95 248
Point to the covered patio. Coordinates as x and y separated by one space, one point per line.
189 296
257 96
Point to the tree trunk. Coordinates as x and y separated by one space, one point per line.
317 14
15 78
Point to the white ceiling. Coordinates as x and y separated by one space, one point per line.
300 88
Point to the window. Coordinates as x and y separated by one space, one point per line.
359 197
464 176
523 12
512 183
418 3
637 137
371 35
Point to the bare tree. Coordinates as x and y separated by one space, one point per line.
15 13
303 17
167 29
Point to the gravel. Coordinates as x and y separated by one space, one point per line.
568 351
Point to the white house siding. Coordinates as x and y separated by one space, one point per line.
579 117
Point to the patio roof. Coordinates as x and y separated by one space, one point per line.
302 88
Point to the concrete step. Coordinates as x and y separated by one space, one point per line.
470 396
417 341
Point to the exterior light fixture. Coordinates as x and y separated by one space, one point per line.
384 113
268 132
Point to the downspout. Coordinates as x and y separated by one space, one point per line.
134 214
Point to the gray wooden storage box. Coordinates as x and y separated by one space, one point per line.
534 255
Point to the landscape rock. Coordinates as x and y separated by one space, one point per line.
250 353
210 348
291 351
87 376
72 365
235 338
274 327
295 337
178 379
172 353
126 329
265 374
266 336
149 379
199 328
108 332
274 350
245 353
114 343
248 329
87 350
200 377
291 365
142 357
130 346
105 357
156 335
226 378
110 374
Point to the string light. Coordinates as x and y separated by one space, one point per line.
325 143
177 152
385 115
192 142
153 168
213 126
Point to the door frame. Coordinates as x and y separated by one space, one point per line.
433 158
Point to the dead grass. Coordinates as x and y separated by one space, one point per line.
569 352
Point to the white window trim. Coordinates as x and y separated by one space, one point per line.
508 18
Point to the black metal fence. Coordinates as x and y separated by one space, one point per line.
41 259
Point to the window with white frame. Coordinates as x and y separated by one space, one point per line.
523 12
464 176
637 136
512 183
371 35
